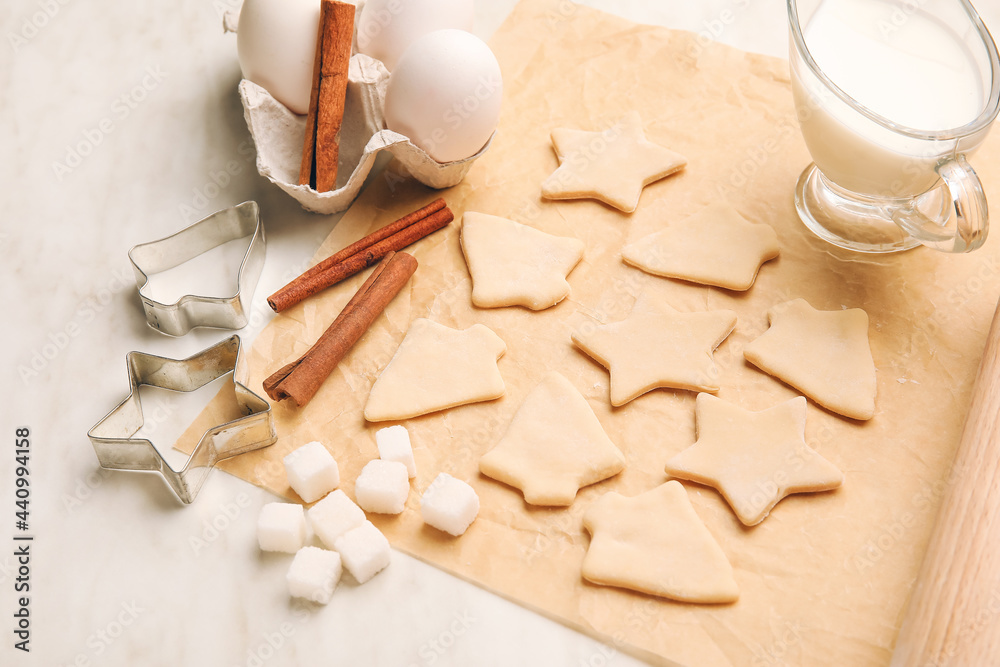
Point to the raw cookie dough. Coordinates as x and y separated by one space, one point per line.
657 346
753 458
515 265
655 543
612 166
436 368
553 446
824 354
715 246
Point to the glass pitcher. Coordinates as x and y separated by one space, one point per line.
892 97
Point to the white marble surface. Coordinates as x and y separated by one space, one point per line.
120 123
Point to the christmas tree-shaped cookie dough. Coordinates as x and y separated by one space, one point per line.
553 446
753 458
515 265
824 354
655 543
436 368
611 166
715 246
656 346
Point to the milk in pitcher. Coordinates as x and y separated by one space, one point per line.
901 64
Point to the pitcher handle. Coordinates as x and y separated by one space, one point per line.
966 229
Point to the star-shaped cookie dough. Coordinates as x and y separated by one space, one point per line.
436 368
553 446
823 353
715 246
754 459
611 166
656 346
515 265
655 543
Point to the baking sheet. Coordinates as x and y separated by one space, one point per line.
825 578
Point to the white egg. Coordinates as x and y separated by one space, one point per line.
445 93
387 27
276 41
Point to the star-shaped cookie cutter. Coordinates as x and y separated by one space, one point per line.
190 311
112 436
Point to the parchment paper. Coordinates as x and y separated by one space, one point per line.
825 578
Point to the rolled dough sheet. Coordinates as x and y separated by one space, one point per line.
823 581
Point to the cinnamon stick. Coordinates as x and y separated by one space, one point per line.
321 149
362 254
301 379
273 381
381 233
308 165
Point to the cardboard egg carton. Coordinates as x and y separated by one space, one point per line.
279 135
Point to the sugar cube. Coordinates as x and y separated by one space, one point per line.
333 516
365 551
281 527
382 487
313 574
312 471
449 504
394 445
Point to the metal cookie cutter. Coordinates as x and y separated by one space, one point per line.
191 311
112 436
